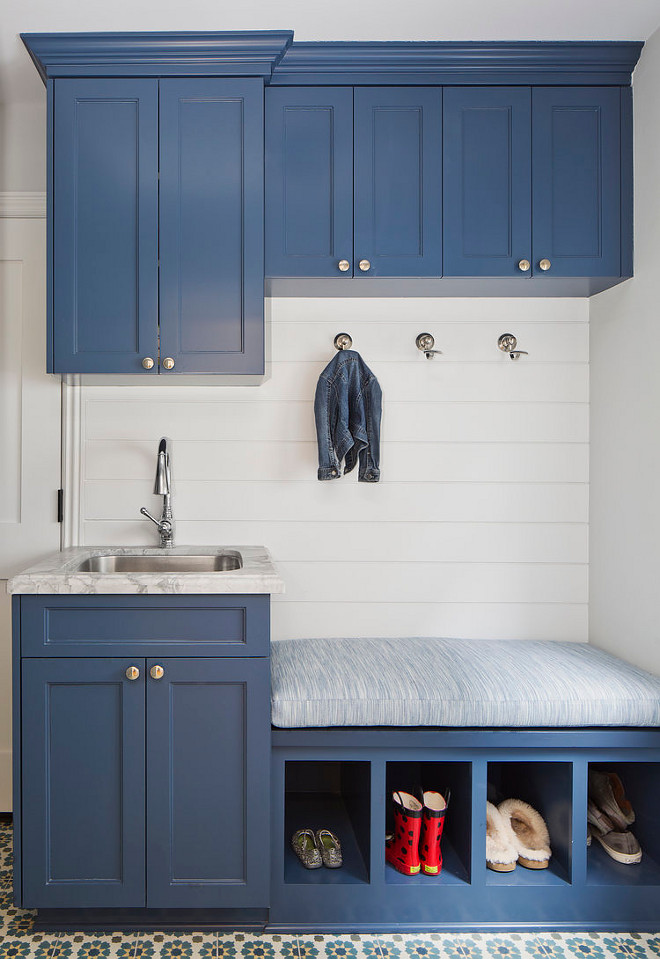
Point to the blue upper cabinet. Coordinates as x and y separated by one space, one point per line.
576 163
309 181
487 181
354 181
211 225
398 181
105 225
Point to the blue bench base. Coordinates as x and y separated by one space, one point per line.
342 778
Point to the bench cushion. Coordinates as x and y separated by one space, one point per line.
450 682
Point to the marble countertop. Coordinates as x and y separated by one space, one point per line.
59 573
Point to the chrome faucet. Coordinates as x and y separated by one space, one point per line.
163 487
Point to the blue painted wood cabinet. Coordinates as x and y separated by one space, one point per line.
157 225
143 777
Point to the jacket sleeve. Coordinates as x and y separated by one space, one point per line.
369 469
328 462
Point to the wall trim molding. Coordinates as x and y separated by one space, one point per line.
22 204
72 471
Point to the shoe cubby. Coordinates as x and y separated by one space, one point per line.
641 782
331 795
547 787
437 776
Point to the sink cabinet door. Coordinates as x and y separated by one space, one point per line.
83 783
211 225
309 181
576 180
487 181
208 774
105 226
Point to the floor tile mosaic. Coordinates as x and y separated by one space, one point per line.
18 940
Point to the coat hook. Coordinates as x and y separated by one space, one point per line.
508 343
425 342
343 341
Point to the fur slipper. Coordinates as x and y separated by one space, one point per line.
530 833
501 852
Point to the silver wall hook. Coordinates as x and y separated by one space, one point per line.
425 342
343 341
508 343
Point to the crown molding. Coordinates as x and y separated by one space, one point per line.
23 205
240 53
479 62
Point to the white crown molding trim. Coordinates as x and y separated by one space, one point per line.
22 205
71 461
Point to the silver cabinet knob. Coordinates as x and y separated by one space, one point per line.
545 264
523 265
364 265
168 363
344 266
156 672
148 363
132 672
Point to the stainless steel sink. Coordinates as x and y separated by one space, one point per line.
167 563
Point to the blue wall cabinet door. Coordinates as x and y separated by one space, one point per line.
398 181
208 762
83 783
211 225
487 181
105 225
576 170
309 181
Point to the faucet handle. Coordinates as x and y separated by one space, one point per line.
145 512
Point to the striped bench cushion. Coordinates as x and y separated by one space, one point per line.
449 682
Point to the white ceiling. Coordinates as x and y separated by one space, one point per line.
320 20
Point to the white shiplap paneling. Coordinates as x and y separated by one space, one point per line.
479 526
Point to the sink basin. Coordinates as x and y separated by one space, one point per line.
167 563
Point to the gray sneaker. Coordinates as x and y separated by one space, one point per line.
330 848
304 845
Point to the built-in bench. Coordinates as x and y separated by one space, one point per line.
490 720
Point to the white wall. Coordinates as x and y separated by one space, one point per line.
479 525
625 413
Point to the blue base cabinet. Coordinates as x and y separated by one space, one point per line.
142 781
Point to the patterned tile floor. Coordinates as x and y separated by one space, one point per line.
19 941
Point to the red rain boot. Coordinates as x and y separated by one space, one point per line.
433 819
402 850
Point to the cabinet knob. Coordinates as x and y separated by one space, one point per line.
132 672
156 672
148 363
168 363
344 265
364 265
523 265
545 264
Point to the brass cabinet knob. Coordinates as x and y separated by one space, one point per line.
344 265
132 672
364 265
168 363
148 363
523 265
545 264
156 672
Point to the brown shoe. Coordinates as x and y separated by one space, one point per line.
621 846
607 793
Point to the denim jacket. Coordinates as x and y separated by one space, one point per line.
347 408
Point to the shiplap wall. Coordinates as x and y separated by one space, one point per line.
478 527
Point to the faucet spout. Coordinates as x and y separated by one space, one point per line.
163 487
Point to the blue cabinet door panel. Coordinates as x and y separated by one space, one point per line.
576 163
211 225
208 727
487 180
398 181
309 181
83 784
105 228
